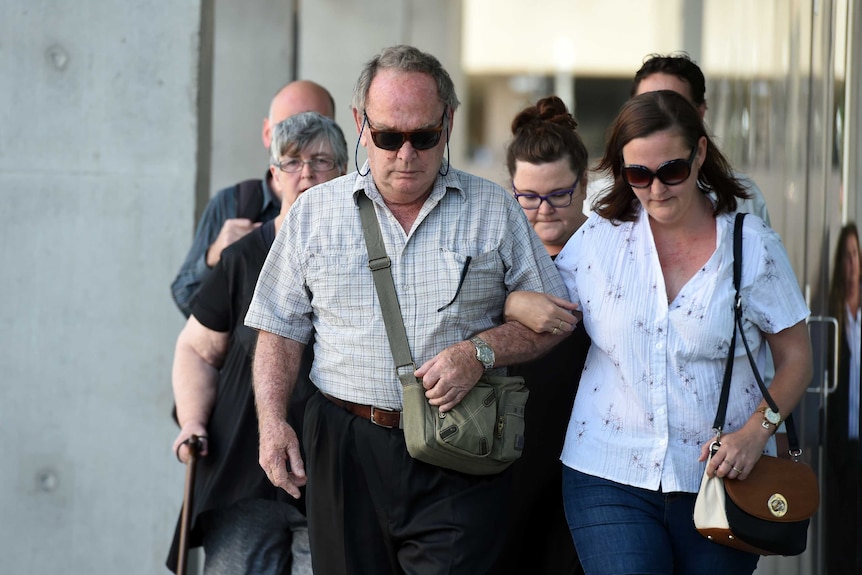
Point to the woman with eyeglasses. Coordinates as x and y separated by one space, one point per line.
243 522
651 271
547 163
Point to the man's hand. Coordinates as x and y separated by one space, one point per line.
232 230
450 375
280 457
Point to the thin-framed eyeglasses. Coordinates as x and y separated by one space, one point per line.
670 173
392 140
317 164
556 199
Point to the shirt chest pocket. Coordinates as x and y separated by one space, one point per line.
471 287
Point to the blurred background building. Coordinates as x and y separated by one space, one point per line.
119 119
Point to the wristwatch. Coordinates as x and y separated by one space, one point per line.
484 353
769 417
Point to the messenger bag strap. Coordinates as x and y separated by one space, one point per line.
718 425
381 270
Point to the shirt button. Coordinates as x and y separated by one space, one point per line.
659 345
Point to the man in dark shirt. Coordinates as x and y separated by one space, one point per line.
226 217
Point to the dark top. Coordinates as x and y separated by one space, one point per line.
231 472
221 207
538 540
843 491
839 401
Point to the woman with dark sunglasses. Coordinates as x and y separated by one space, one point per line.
651 271
547 162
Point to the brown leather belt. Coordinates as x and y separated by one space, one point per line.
376 415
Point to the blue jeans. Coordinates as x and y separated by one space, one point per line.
619 529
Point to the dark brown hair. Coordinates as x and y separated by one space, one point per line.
546 132
837 290
679 65
643 116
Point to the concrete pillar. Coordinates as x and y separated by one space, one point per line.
98 109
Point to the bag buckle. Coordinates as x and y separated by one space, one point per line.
406 369
379 263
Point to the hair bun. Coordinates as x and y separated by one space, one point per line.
526 118
550 109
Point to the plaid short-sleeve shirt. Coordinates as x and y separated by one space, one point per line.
316 278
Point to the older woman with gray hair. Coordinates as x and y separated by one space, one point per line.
245 524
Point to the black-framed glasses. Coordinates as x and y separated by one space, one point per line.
392 140
670 173
317 164
557 199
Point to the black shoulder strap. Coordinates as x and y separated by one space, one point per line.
790 427
249 199
718 424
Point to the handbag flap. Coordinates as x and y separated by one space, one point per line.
776 490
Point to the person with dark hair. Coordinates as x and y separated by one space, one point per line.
547 161
676 72
236 210
243 522
679 73
651 271
456 246
842 493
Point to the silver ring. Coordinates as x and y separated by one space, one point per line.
735 469
556 331
560 325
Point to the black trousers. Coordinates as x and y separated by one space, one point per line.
374 509
844 511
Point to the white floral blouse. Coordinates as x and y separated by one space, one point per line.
650 386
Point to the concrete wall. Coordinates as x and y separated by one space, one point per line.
252 58
98 133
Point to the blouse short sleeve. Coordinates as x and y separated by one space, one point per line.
771 296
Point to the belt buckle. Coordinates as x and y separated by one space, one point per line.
375 422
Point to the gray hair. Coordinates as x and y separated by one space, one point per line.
406 59
298 132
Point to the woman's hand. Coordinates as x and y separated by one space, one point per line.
738 452
542 313
181 448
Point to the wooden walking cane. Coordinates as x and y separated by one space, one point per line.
195 444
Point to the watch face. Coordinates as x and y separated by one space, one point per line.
484 353
772 417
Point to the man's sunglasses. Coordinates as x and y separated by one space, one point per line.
420 139
670 173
